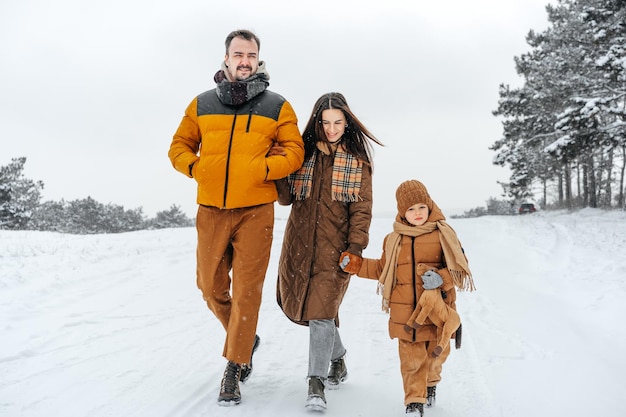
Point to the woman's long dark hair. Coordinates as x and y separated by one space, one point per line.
356 137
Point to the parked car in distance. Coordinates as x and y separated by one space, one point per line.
527 208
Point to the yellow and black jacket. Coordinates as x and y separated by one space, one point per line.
224 148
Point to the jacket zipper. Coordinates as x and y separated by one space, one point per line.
230 145
413 272
249 120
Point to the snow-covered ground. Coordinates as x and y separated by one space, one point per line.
113 325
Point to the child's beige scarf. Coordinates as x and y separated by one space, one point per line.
455 259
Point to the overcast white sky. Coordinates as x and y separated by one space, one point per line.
92 92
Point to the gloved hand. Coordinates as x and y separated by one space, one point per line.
350 263
431 280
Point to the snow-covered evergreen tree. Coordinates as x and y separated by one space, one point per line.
19 196
568 117
174 217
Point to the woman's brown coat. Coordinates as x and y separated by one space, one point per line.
425 250
311 285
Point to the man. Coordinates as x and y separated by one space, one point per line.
224 142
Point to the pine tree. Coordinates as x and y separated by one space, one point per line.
568 118
174 217
19 196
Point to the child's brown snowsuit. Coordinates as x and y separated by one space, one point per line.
431 306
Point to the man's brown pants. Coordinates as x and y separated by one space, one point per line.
239 240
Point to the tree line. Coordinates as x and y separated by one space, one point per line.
21 209
564 130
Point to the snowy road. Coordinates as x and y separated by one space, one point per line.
112 325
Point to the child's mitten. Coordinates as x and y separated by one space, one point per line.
431 280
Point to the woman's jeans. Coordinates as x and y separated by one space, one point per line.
324 345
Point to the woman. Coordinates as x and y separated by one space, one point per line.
331 198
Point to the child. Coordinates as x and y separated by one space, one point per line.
421 254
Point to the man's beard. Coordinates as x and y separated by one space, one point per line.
241 77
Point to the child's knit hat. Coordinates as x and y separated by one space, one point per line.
410 193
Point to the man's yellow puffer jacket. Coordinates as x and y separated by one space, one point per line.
224 148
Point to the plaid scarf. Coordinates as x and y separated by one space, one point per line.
346 178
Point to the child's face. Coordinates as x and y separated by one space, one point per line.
417 214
